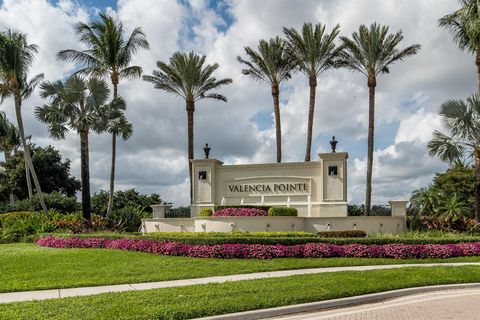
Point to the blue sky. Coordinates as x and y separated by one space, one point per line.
241 131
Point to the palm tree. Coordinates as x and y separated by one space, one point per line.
75 105
462 119
371 51
464 24
187 76
109 54
16 57
314 51
9 141
272 64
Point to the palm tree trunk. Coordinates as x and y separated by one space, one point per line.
114 150
372 83
112 176
477 62
477 186
311 109
7 157
29 181
26 150
190 124
85 173
278 129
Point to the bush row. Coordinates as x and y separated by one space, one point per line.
342 234
260 251
253 238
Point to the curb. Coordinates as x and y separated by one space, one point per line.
336 303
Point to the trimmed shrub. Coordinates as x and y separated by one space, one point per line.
342 234
205 212
240 212
260 251
282 211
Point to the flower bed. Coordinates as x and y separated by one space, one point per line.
240 212
260 251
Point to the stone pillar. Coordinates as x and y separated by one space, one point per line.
203 180
334 176
399 208
159 210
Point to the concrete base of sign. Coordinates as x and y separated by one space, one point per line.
372 224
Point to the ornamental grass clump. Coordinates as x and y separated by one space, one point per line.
240 212
263 251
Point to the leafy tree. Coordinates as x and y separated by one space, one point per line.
314 51
9 142
76 105
16 57
462 119
371 51
272 64
52 170
109 53
459 179
187 76
464 24
122 199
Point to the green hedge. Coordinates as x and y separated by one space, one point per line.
342 234
282 211
205 212
254 238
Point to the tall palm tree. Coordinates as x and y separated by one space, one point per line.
9 141
462 119
464 24
371 51
16 57
187 76
314 51
108 54
273 65
75 105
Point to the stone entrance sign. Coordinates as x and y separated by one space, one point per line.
316 188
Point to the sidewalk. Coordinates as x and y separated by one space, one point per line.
84 291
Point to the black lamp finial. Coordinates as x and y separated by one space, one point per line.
333 143
207 150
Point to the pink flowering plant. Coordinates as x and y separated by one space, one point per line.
261 251
240 212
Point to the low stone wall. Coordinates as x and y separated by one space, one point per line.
395 224
168 225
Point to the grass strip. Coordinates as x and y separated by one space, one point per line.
29 267
213 299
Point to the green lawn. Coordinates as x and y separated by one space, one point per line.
204 300
30 267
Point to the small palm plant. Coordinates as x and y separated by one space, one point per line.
464 24
314 51
187 76
462 119
372 51
109 54
272 64
16 58
75 105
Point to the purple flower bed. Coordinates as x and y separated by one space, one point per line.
260 251
240 212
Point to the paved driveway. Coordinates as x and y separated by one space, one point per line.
443 305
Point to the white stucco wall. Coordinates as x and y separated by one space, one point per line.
326 195
395 224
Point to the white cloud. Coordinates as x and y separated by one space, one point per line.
154 160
